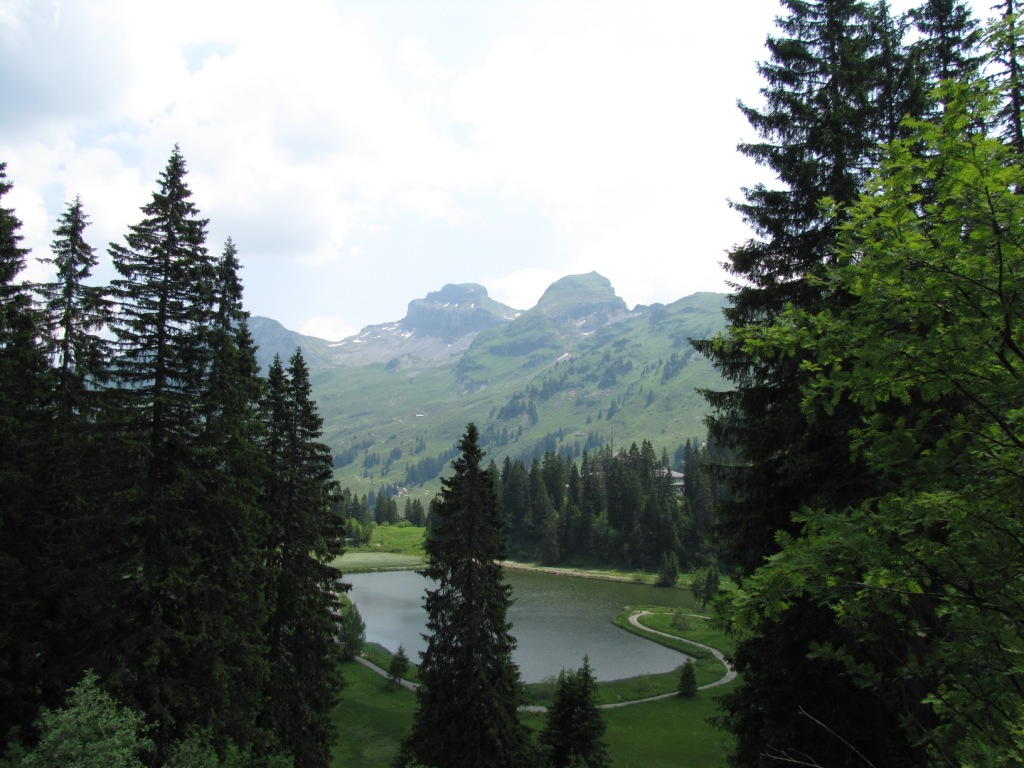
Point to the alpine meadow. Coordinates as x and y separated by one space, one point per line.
811 483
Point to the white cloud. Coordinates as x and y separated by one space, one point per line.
332 328
523 288
313 131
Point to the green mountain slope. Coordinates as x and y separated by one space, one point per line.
576 371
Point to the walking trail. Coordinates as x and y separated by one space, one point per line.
634 619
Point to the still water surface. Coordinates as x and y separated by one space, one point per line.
556 620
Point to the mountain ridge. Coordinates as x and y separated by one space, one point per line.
577 370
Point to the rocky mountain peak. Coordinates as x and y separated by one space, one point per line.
586 301
454 311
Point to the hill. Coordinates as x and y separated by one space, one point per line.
576 371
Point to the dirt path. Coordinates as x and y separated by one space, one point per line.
730 673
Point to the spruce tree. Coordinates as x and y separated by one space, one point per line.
687 686
25 428
572 735
75 313
184 376
470 692
830 100
305 534
75 578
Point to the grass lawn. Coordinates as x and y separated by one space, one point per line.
372 719
391 547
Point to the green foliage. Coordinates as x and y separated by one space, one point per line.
706 585
91 731
840 78
930 352
668 573
150 526
305 536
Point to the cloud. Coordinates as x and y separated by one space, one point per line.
521 289
332 328
349 144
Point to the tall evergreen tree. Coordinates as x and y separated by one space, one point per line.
229 473
830 101
75 313
572 736
470 691
184 385
74 575
25 420
305 534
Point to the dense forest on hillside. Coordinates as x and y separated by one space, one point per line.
628 509
166 516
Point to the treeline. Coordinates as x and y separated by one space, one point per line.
874 363
166 516
362 513
625 508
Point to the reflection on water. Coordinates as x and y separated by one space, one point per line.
556 621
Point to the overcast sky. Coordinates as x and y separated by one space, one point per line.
362 153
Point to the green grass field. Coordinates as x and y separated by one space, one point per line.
391 547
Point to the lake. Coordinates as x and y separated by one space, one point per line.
556 620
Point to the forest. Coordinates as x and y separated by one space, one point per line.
167 516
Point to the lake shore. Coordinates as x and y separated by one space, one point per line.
581 573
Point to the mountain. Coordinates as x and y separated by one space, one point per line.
435 329
575 372
273 339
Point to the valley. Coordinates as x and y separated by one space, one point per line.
577 371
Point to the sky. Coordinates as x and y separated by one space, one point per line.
363 153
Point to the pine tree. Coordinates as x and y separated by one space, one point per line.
575 726
74 579
190 653
399 667
830 101
470 691
305 535
687 680
25 427
75 312
229 465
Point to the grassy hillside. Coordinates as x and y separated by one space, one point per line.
530 386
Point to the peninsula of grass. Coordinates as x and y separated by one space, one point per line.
374 716
685 627
391 548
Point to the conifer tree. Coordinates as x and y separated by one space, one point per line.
687 680
830 101
73 577
75 312
399 667
25 425
470 692
573 733
305 534
189 654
